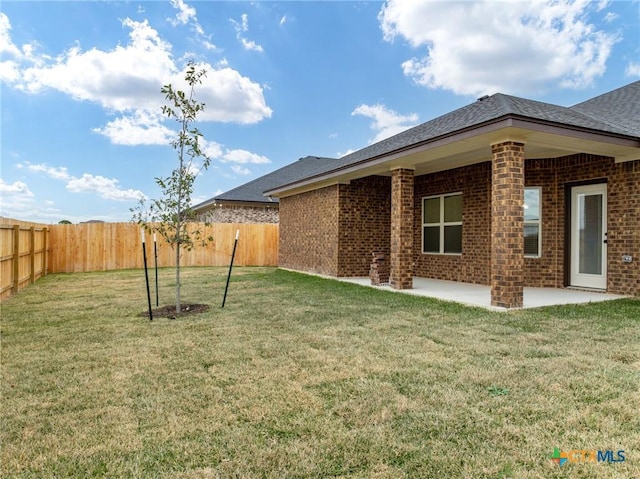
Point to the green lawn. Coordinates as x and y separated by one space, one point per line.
301 377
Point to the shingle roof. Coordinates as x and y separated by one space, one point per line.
487 109
616 112
253 190
620 108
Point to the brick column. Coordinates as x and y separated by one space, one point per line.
401 274
507 227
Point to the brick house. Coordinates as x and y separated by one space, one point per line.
248 204
505 192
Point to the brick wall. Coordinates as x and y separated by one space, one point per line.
240 214
365 223
472 265
547 271
309 231
551 175
554 175
624 228
313 237
310 224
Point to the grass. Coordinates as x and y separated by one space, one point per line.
303 377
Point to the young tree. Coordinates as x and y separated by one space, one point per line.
172 211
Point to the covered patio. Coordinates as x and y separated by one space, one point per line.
480 295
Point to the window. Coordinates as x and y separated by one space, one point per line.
532 224
442 224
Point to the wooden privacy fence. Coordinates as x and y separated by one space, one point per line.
108 246
23 255
29 251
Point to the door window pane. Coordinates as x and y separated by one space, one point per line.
590 234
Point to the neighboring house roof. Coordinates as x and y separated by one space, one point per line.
253 191
616 113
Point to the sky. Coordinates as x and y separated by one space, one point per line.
83 135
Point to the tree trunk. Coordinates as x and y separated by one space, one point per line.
178 277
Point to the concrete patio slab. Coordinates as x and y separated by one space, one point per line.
480 295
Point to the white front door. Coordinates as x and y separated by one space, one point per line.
589 236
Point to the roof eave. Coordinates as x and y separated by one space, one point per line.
262 204
489 128
204 204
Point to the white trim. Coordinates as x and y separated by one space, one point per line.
441 224
587 280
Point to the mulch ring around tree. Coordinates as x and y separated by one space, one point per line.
170 311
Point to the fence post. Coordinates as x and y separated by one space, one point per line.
32 255
45 251
16 258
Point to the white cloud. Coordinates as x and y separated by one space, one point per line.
15 188
230 97
251 45
107 188
243 27
208 45
12 55
122 79
484 46
240 170
212 149
9 71
128 79
15 199
610 17
197 199
243 157
633 70
386 122
140 128
185 13
55 172
341 154
6 44
216 151
194 167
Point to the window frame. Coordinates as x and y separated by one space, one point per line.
441 224
537 222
